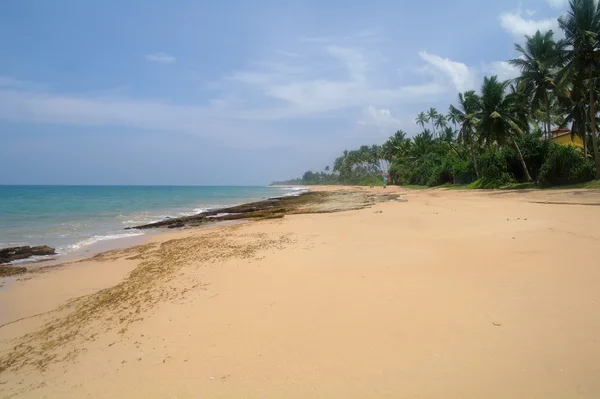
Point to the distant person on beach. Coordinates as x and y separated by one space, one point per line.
384 182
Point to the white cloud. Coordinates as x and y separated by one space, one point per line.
558 3
462 77
289 54
354 60
342 79
381 118
317 86
518 26
8 82
162 58
502 69
212 122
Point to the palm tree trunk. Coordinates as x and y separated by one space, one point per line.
475 162
548 121
583 130
593 128
527 175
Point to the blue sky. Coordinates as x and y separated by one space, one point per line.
233 92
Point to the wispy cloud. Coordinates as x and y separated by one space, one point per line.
162 58
461 76
558 3
502 69
289 54
515 24
334 77
12 83
381 118
331 77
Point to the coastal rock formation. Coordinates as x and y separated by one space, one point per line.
6 271
14 253
273 208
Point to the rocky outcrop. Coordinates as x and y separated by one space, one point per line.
10 254
273 208
6 271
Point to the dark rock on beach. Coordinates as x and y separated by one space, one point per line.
274 208
15 253
6 271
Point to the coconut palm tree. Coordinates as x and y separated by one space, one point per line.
422 119
522 108
452 118
539 63
423 143
581 26
432 115
440 122
572 98
466 116
498 122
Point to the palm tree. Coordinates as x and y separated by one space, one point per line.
447 135
452 117
498 122
581 25
572 99
522 105
423 143
466 115
440 122
422 119
539 63
432 115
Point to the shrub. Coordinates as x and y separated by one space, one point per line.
534 153
463 171
565 165
372 180
400 172
428 171
493 170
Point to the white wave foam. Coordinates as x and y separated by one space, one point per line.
218 215
292 192
95 239
32 259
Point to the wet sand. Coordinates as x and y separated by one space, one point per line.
442 293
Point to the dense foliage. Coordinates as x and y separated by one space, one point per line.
501 134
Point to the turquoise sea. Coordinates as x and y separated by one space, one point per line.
70 218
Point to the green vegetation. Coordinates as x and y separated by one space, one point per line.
493 139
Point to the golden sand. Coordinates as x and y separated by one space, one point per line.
454 294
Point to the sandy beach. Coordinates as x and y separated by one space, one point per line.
439 293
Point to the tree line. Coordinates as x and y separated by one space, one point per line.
501 134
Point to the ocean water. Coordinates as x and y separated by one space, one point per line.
70 218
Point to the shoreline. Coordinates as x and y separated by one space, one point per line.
130 236
335 302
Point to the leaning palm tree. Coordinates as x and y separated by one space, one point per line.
522 107
498 122
422 119
466 116
432 115
581 26
540 60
